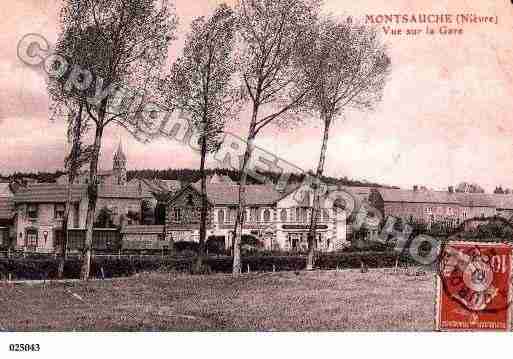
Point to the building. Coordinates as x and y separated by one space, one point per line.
117 176
218 179
156 186
435 206
275 220
40 210
7 214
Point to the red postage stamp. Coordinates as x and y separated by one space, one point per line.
474 287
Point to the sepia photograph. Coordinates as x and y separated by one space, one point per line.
310 167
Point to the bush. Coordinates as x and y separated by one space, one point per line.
215 245
38 269
368 246
186 246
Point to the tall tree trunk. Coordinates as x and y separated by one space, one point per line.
64 244
204 208
237 238
92 193
75 152
312 241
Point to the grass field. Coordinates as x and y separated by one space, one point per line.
324 300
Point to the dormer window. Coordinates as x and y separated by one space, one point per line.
59 211
32 211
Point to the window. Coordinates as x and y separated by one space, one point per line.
304 215
267 215
233 215
253 214
59 211
32 210
298 214
220 216
190 201
177 214
283 215
325 214
31 239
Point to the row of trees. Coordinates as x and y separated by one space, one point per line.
281 58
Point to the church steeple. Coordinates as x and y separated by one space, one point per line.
119 165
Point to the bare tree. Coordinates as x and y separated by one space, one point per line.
347 65
271 33
123 44
69 103
200 85
466 187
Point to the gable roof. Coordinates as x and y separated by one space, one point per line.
156 186
218 179
117 191
500 201
224 194
58 193
48 193
401 195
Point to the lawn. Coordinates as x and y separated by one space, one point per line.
282 301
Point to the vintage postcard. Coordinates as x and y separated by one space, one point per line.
255 166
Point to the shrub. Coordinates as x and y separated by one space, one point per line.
189 246
38 269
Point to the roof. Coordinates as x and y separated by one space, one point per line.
116 191
48 193
120 155
218 179
477 199
6 208
225 194
401 195
156 185
58 193
156 229
362 192
501 201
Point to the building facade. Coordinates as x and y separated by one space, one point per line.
275 220
40 211
440 206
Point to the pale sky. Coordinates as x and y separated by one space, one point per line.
445 115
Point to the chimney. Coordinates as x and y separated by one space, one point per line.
451 189
415 188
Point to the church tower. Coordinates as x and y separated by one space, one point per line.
119 166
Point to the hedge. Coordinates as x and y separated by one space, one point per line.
38 269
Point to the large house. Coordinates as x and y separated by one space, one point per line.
434 206
278 220
40 210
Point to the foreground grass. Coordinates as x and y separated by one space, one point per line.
346 300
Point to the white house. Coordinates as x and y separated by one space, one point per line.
278 220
